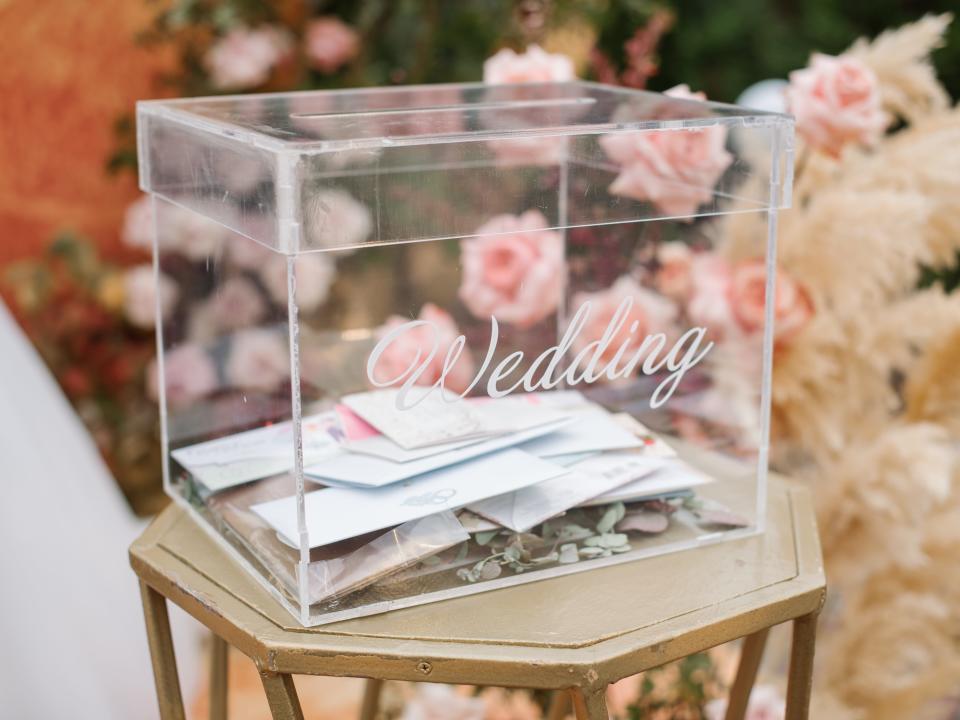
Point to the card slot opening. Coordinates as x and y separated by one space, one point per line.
492 105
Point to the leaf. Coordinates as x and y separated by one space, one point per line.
512 553
611 517
569 554
607 540
591 552
483 538
490 571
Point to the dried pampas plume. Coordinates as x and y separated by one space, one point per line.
901 60
866 399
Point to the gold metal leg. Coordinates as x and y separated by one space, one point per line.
800 681
371 699
750 655
161 653
219 653
590 705
282 696
559 705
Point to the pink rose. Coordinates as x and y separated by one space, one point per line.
673 275
674 169
513 270
243 58
765 704
533 66
649 313
621 695
836 100
259 360
314 274
237 303
709 305
442 702
410 349
502 704
792 307
141 293
335 219
730 300
137 229
189 374
330 44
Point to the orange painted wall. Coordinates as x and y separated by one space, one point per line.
67 69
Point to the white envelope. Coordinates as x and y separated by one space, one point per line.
337 513
673 476
592 430
523 509
235 459
344 466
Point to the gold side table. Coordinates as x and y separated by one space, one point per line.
576 633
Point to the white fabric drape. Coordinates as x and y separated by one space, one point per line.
74 645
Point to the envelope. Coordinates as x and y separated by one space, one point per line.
253 454
338 513
345 467
674 475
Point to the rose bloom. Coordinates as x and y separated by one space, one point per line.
243 58
513 270
137 229
731 299
533 66
502 704
676 170
836 100
621 695
314 274
765 704
442 702
330 43
259 360
189 374
141 293
673 276
411 348
336 219
237 303
651 312
792 307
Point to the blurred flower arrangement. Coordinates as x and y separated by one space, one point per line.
866 396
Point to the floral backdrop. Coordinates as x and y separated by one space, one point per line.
866 397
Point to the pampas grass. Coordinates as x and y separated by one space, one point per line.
866 400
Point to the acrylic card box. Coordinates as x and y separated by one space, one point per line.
436 340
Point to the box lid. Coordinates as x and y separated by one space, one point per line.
256 163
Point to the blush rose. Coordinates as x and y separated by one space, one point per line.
649 313
674 169
330 44
513 269
836 100
408 351
532 66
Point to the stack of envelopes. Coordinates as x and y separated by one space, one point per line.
383 462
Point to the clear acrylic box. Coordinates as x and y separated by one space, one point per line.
422 342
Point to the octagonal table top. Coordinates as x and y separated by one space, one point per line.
580 629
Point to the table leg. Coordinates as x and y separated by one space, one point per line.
750 655
559 705
281 695
590 705
371 699
219 651
161 653
800 681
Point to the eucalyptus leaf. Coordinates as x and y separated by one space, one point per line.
611 517
490 571
484 538
569 554
591 552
